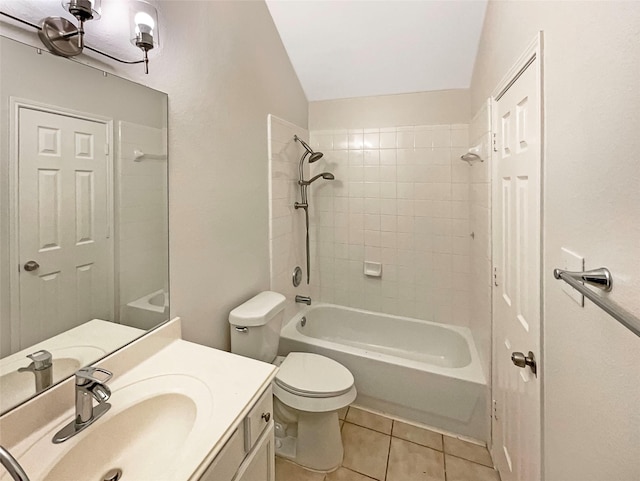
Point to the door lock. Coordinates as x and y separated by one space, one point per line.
31 266
520 360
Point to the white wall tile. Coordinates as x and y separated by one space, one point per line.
405 139
423 137
441 136
406 205
356 139
387 139
372 140
388 157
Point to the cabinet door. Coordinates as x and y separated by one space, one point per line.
225 466
260 465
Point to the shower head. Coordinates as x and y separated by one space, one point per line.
313 156
324 175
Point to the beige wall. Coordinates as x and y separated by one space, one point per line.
591 206
422 108
225 69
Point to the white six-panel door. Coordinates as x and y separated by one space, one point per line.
65 245
516 294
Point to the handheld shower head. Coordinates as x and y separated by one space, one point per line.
324 175
313 156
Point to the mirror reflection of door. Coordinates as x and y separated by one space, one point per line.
65 237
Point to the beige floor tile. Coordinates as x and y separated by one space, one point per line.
466 450
287 471
462 470
342 413
369 420
412 462
417 435
344 474
365 451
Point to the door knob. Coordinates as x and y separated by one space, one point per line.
520 360
31 266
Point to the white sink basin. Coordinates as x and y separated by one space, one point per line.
151 428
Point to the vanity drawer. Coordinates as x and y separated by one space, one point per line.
258 419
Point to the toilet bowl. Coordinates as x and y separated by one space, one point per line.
308 389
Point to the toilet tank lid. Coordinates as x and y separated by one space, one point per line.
258 310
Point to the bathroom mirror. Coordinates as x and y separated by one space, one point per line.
83 217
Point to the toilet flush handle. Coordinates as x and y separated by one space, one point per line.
242 329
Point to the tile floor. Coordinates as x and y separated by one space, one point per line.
383 449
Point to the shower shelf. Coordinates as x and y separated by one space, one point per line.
473 155
602 279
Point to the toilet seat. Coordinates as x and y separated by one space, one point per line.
313 383
312 375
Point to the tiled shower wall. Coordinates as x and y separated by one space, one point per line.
286 224
143 266
400 198
480 223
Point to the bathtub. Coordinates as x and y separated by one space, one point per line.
147 311
417 370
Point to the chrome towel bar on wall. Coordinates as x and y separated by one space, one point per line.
602 279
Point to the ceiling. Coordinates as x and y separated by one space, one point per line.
355 48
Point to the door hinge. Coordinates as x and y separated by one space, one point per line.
495 276
495 410
106 149
495 147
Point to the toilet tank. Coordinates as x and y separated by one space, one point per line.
255 326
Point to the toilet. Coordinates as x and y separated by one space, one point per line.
308 389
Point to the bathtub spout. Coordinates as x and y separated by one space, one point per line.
304 300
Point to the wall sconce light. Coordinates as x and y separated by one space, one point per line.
63 38
144 28
58 33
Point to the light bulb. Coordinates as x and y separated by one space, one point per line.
144 23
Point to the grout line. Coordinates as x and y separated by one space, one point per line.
418 444
386 471
470 461
374 414
356 472
444 463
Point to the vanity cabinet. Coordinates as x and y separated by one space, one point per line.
249 455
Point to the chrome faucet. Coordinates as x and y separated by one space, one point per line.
88 388
12 466
304 300
42 367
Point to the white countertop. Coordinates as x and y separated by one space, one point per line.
233 382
